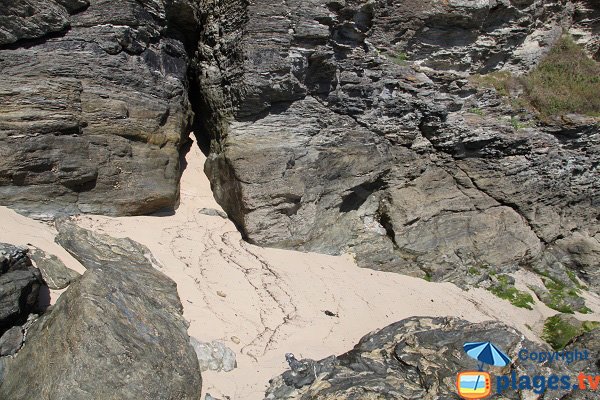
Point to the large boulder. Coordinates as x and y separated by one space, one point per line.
94 110
20 285
117 332
417 358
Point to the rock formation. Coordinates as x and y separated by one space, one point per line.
20 285
414 358
117 332
335 125
349 126
54 272
93 104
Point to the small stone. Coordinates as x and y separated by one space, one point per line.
213 212
235 339
221 294
214 356
54 272
11 341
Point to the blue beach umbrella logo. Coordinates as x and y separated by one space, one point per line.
486 353
477 385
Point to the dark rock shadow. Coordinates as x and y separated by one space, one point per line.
44 299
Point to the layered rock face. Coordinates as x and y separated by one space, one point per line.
93 104
117 332
586 26
326 139
413 358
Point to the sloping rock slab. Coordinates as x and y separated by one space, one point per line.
417 358
116 333
54 272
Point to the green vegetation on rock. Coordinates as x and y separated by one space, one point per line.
565 81
501 81
506 290
477 111
562 297
401 58
559 330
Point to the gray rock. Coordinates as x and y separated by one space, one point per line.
2 362
586 25
95 124
30 19
117 332
332 143
20 285
415 358
213 213
54 272
588 341
94 250
469 35
214 356
335 126
11 341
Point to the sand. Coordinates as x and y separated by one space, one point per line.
262 302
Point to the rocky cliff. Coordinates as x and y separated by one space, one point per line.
360 126
335 126
355 126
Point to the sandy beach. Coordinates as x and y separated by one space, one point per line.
262 302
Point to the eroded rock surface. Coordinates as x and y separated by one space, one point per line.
54 272
414 358
117 332
214 356
336 126
93 104
353 126
20 284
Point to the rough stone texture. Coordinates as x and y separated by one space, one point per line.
325 139
55 273
469 35
94 251
588 341
214 356
97 111
20 284
117 332
11 341
336 126
417 358
30 19
586 26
